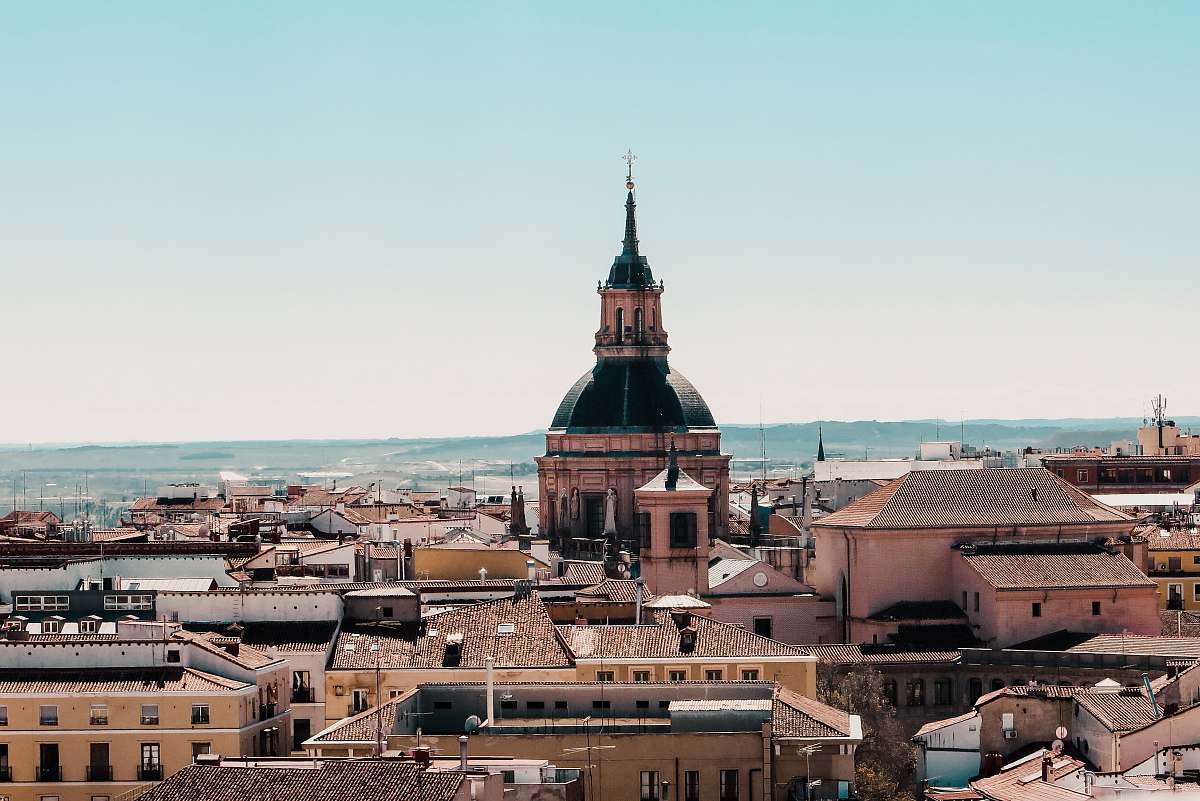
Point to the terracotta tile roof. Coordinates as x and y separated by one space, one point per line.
620 591
1187 647
1162 539
1018 567
883 654
533 642
115 680
26 516
361 728
309 637
1023 781
329 780
662 639
189 504
1122 711
796 716
585 573
315 496
963 498
1179 623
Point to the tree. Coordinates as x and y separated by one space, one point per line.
886 760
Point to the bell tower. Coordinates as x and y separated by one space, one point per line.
675 560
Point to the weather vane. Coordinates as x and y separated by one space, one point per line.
629 158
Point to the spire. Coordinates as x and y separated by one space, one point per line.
820 444
672 467
629 246
630 269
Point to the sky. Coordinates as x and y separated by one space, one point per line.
279 220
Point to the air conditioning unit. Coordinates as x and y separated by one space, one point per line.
1010 734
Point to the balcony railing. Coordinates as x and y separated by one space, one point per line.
5 773
49 773
99 773
149 772
302 695
266 711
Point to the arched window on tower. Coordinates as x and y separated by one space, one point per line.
620 325
653 319
637 322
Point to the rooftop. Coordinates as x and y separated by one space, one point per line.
1052 566
147 681
322 780
987 497
663 638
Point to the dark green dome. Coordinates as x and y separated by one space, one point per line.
632 395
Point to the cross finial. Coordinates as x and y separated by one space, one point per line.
629 158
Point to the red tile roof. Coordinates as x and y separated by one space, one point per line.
1020 567
328 780
1023 782
868 654
663 639
990 497
533 642
797 716
148 681
621 591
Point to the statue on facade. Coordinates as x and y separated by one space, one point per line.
575 504
610 511
563 523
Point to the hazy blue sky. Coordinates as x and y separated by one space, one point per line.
243 220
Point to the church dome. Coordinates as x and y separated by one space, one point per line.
636 395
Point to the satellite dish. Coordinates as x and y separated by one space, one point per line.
1061 733
472 724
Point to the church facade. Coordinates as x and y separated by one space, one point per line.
612 431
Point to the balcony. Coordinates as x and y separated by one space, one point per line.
99 773
150 773
5 773
49 773
266 711
302 695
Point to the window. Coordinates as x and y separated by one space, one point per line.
649 785
51 626
729 785
915 693
506 628
1096 608
676 675
560 704
206 748
360 701
125 601
535 704
1174 563
173 655
941 692
3 716
508 704
1037 609
604 675
762 627
151 766
890 690
715 674
976 602
749 674
337 571
603 703
98 715
199 714
974 690
620 324
638 323
641 676
691 785
683 529
41 603
48 715
87 625
149 714
1081 475
1196 591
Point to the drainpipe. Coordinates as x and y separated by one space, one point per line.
638 619
462 752
490 664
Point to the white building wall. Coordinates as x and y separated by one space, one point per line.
251 605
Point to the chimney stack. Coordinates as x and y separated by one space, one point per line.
462 752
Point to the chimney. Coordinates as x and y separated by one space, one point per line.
682 618
490 664
462 752
531 570
641 585
1047 764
